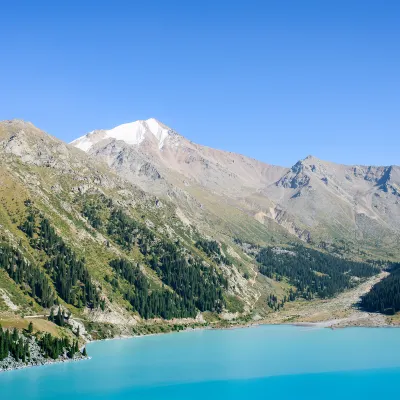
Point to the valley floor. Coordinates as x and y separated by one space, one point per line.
338 312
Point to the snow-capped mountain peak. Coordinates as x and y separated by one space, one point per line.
132 133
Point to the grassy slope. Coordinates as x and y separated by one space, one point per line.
53 194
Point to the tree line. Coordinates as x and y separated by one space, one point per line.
11 343
198 286
25 274
150 303
68 272
276 304
211 248
384 296
55 347
189 277
16 345
313 273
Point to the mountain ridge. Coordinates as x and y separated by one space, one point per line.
132 239
57 178
297 198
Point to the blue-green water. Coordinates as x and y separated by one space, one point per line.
284 362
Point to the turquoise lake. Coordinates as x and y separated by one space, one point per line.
281 362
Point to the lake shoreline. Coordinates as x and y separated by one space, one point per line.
320 325
331 324
42 364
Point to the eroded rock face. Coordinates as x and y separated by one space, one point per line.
297 177
334 201
23 142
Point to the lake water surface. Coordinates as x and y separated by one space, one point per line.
281 362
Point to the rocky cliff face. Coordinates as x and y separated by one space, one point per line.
357 203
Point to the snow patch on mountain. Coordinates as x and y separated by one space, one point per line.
84 143
161 133
132 133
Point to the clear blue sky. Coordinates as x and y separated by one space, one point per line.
274 80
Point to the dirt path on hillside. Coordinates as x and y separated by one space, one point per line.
252 282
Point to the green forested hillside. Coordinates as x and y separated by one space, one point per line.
73 234
384 297
68 272
191 285
312 272
198 287
28 276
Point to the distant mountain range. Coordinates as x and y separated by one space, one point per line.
318 201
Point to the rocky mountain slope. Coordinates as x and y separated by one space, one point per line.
211 187
72 232
327 204
359 205
144 231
